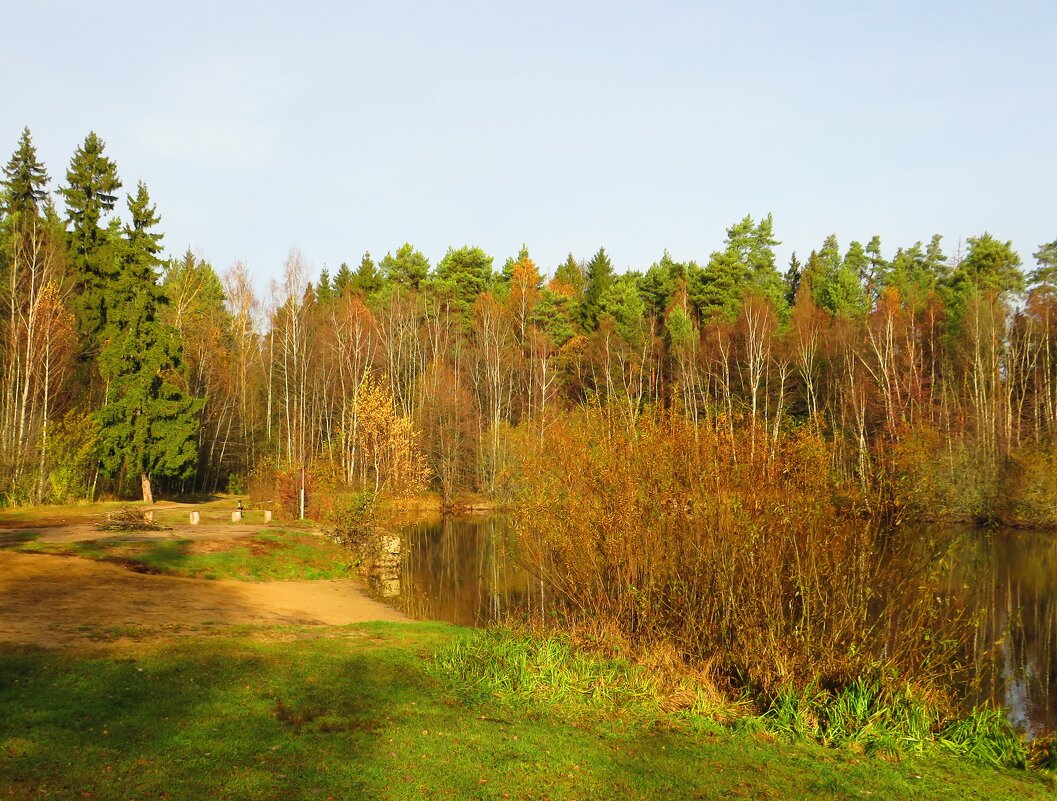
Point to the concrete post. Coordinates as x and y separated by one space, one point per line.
267 516
236 516
195 518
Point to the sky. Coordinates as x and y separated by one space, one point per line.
338 128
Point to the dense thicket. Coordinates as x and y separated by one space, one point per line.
931 379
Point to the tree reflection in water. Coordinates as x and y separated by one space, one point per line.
457 569
1010 578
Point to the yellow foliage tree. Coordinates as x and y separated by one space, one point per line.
387 443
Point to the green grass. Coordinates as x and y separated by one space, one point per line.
369 712
277 555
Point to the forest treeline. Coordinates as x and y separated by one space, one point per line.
930 377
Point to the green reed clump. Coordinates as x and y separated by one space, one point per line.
497 664
986 736
887 724
880 718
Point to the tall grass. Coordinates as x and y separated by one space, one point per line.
548 671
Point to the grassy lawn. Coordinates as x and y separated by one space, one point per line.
274 555
367 712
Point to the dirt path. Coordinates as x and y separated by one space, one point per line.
57 601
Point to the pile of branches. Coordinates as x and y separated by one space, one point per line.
128 518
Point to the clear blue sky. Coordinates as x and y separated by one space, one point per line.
344 127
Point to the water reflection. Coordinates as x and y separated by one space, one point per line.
463 570
459 570
1010 579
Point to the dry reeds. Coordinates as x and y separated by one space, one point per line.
677 536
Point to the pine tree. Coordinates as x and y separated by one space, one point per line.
148 424
91 181
835 282
461 276
876 268
25 179
1045 276
721 286
747 264
990 265
408 267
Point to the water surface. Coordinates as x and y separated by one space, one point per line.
456 569
1010 578
464 570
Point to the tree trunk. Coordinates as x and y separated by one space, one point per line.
148 496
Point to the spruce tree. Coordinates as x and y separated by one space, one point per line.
148 424
764 278
792 279
91 182
342 279
555 315
25 179
936 262
507 273
623 302
367 278
598 280
324 290
570 274
659 284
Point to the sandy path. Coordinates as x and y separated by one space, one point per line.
56 601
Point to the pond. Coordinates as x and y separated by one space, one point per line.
1010 578
456 569
462 570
